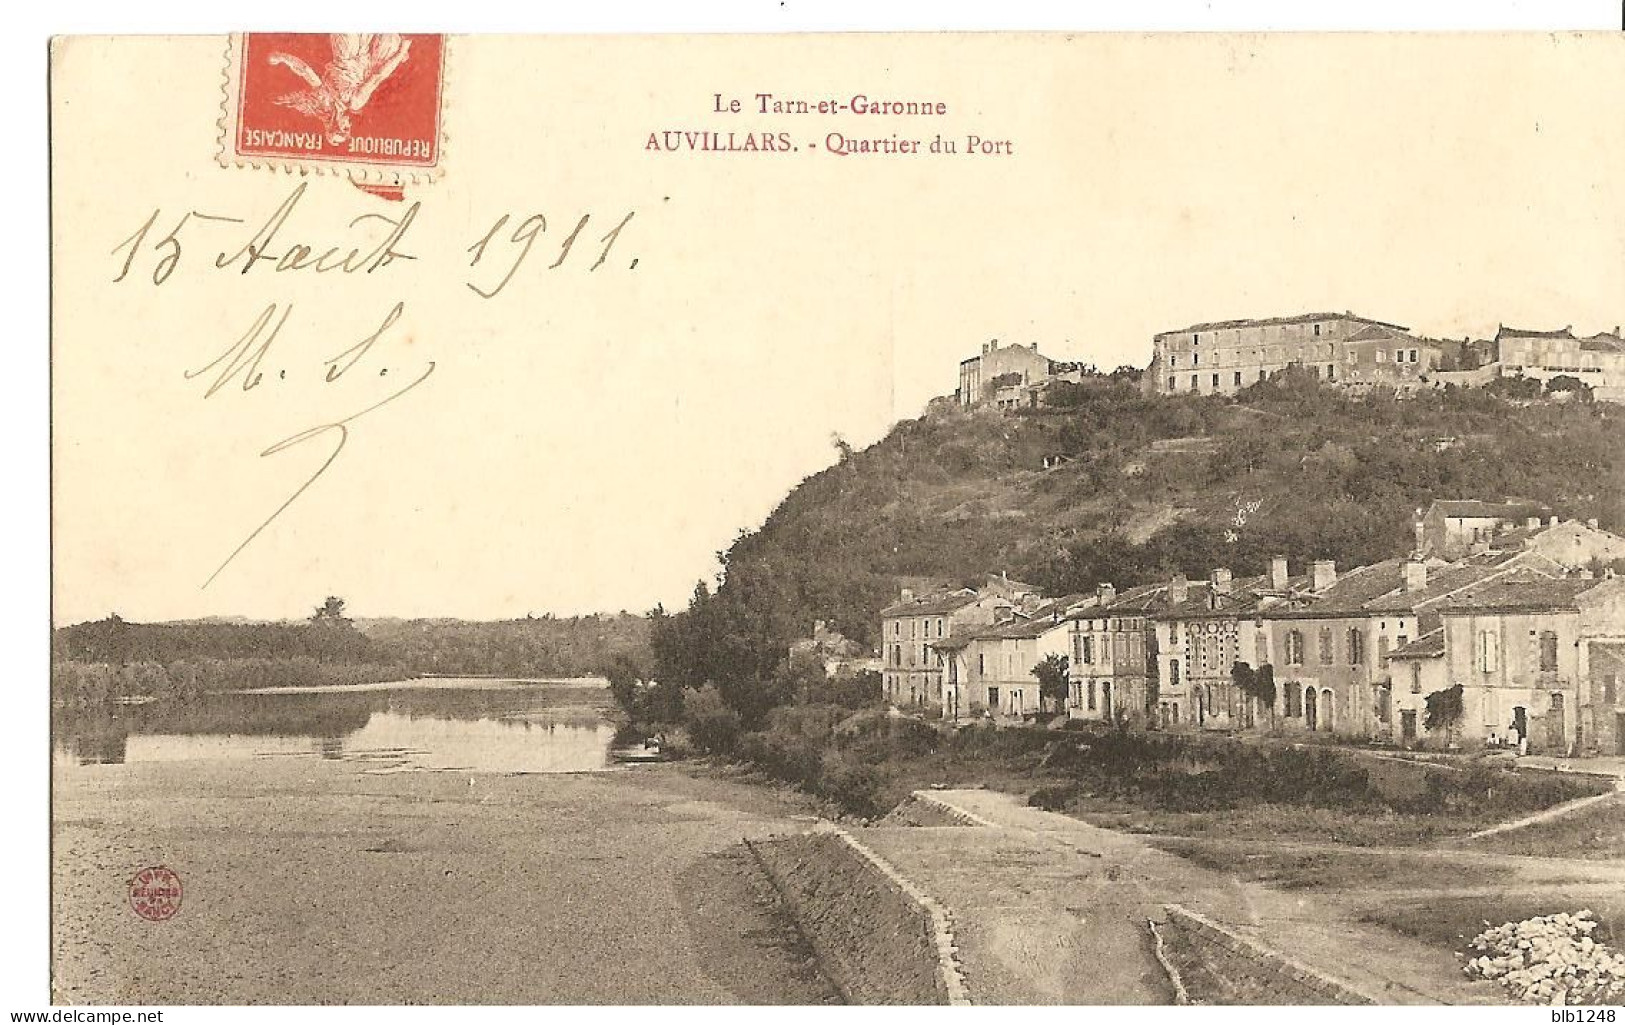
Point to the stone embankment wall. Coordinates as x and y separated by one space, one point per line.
1216 966
921 809
877 942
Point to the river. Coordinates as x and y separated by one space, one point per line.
475 725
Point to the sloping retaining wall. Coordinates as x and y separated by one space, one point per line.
878 939
1216 966
921 808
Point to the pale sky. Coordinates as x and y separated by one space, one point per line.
588 441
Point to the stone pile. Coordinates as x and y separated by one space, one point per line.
1551 959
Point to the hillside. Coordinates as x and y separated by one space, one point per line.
1135 488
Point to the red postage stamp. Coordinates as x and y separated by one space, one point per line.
155 893
365 106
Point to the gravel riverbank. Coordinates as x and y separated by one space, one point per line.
308 881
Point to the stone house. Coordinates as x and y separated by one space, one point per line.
990 671
1450 528
1113 654
1002 375
911 669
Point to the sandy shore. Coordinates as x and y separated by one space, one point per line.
311 882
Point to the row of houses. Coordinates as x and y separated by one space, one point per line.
1535 640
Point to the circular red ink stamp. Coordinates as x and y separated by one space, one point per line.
155 893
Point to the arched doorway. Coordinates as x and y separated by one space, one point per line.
1327 704
1310 719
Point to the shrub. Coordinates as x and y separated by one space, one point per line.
713 725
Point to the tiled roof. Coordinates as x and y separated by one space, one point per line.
1602 343
1349 595
1429 645
1020 628
931 604
1442 582
1386 333
1302 318
1517 332
1517 591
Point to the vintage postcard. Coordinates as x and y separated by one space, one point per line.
937 519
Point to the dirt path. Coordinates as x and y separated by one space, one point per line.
308 882
1050 909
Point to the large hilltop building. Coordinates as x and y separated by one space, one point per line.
1222 357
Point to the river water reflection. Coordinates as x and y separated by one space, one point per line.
466 725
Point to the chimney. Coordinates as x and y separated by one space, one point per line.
1592 523
1278 573
1418 533
1323 574
1532 522
992 345
1416 575
818 627
1221 581
1551 521
1178 589
908 594
1105 594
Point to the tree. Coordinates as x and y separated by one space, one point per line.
1568 384
1258 684
330 611
1444 712
1053 679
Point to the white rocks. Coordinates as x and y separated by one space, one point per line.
1550 960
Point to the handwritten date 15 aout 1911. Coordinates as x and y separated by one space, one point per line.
370 243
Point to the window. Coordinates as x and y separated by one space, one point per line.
1327 646
981 665
1382 649
1173 672
1317 330
1548 651
1294 648
1331 371
1263 375
1196 382
1215 382
1489 651
1086 653
1196 339
1238 379
1091 695
1356 646
1294 701
1196 359
1416 677
1173 384
1173 632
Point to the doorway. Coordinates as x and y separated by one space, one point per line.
1407 726
1310 719
1327 703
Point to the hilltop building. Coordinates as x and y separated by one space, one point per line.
1222 357
1010 376
1597 361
